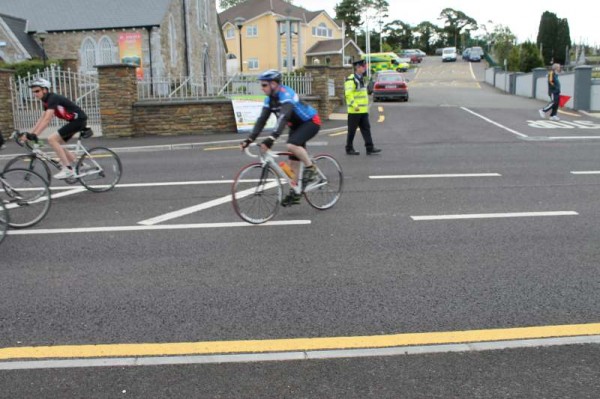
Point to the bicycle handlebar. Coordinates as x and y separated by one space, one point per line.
16 136
250 154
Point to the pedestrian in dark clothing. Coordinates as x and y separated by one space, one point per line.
554 93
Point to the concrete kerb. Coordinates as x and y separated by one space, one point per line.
181 146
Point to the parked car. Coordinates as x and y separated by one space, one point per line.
475 55
389 86
465 53
411 54
449 54
422 53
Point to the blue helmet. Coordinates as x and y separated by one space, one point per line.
270 75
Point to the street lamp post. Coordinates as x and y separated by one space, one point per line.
41 35
239 22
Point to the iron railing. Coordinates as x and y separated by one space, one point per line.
202 87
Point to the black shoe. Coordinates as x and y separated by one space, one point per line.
291 199
309 175
352 152
373 151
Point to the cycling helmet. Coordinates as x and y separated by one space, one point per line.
40 82
271 75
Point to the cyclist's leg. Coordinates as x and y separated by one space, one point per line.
64 134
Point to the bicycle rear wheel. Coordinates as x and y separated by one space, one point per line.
30 162
26 195
256 193
326 191
3 221
100 169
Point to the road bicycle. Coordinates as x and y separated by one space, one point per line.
4 219
97 169
257 190
25 196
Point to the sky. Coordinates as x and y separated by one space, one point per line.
522 17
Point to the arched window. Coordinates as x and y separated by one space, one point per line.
88 55
106 51
173 40
322 30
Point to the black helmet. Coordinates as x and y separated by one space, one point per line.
270 75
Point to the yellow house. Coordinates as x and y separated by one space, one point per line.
256 32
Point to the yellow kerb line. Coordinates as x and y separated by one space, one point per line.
229 147
297 344
338 134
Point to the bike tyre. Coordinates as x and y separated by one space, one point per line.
110 169
27 197
325 196
252 200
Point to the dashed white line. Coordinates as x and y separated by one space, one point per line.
493 215
585 172
426 176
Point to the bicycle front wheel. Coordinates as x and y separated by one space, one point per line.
256 193
99 170
3 221
30 162
327 189
26 195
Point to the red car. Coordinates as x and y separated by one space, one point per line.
390 86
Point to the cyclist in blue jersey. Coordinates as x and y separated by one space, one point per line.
303 120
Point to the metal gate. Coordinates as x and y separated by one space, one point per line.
81 88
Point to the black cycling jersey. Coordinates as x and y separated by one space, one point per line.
63 107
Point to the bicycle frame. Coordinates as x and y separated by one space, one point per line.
268 157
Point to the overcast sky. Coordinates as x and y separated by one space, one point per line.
522 17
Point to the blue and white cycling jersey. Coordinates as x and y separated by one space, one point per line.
286 95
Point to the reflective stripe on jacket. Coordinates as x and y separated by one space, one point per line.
357 98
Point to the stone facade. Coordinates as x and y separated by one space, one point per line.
334 59
118 92
6 114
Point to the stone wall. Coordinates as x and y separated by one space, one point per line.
118 92
6 114
192 117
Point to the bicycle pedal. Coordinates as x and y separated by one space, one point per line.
71 180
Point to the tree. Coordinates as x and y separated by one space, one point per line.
502 40
554 38
428 34
524 58
380 8
399 34
455 21
349 11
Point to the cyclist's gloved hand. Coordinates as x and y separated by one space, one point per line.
31 136
268 142
245 143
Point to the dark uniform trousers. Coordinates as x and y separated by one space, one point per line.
361 121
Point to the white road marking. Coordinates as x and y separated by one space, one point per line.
494 123
148 228
585 172
493 215
199 207
297 355
69 192
435 176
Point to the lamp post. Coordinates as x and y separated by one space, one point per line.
239 22
41 35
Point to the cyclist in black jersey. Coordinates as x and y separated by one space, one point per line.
63 108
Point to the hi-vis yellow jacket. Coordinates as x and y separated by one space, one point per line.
357 98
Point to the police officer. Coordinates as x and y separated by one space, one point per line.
357 101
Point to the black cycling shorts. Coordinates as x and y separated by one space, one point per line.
75 126
303 133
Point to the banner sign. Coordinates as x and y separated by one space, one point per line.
247 109
130 51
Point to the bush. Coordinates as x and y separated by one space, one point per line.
29 67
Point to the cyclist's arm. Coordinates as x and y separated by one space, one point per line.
43 122
260 123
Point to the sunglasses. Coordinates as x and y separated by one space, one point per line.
37 90
264 84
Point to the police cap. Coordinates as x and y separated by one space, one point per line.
359 63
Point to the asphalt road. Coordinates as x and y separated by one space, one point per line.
476 216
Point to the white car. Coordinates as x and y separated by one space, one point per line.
449 54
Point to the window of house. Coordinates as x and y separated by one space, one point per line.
107 51
230 33
322 30
285 62
347 60
252 63
173 41
251 31
88 55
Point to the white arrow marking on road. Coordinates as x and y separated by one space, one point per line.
200 207
493 215
161 227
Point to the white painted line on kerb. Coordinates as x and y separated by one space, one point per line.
436 176
200 207
149 228
493 215
495 123
585 172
